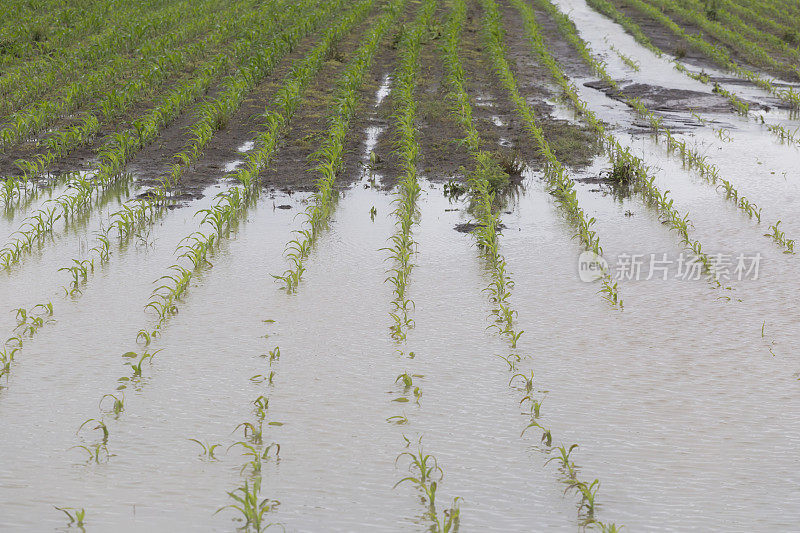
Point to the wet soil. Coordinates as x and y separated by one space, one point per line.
658 98
574 145
495 117
442 157
290 170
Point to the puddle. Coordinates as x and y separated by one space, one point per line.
232 166
246 147
383 90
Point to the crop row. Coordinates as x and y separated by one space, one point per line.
628 169
117 152
220 220
127 30
329 156
248 500
778 38
781 20
117 100
561 185
223 213
735 40
424 471
501 284
689 156
742 107
27 32
139 73
715 53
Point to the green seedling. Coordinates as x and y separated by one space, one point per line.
251 431
250 505
97 452
118 404
425 466
563 456
398 420
100 425
75 516
527 382
208 449
137 366
535 405
547 437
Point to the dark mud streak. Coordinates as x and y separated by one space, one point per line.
441 156
290 171
574 145
370 115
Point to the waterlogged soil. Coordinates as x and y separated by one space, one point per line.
658 396
657 98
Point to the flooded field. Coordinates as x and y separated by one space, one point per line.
394 265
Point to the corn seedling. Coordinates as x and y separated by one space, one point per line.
117 403
328 158
208 449
250 504
74 515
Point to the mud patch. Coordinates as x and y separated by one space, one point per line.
665 99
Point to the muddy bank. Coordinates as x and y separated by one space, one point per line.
658 98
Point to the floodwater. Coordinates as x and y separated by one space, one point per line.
685 405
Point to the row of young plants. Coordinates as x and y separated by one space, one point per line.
27 32
735 40
115 102
781 20
424 471
163 56
561 186
52 29
778 39
627 168
32 320
248 500
742 107
114 154
690 157
145 211
329 158
715 53
127 29
228 208
503 315
29 322
214 114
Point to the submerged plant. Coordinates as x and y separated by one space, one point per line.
208 449
75 516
